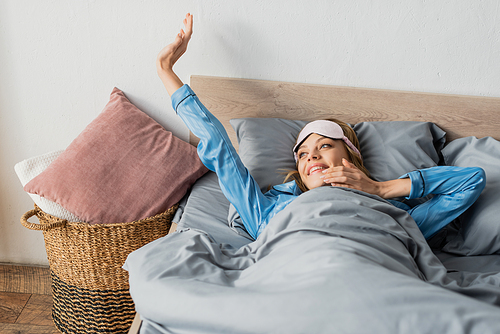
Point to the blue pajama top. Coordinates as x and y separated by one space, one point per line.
454 188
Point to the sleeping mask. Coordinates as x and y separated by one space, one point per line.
326 129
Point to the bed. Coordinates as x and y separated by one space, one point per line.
356 264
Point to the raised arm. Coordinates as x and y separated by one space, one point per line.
214 149
169 55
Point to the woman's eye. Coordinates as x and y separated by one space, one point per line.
302 154
326 145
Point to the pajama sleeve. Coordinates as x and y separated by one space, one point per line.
218 154
455 189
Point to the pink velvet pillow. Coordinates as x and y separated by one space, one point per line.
123 167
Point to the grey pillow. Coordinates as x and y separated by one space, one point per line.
265 147
479 231
389 149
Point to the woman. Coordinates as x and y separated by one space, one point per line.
327 154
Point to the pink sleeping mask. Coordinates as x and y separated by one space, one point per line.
326 129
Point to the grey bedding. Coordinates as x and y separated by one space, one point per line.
334 261
206 208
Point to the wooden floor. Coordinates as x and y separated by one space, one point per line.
25 300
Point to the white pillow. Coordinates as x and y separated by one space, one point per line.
29 169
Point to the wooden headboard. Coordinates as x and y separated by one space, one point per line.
459 116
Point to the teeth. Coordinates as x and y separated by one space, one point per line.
315 169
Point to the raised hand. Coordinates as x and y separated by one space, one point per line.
169 55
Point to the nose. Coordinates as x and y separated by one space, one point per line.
313 155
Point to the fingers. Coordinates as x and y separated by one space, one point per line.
350 178
182 39
343 185
178 38
348 164
342 178
188 24
186 34
347 175
169 55
340 170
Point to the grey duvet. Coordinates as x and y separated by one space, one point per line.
334 261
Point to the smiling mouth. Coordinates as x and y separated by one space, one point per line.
316 169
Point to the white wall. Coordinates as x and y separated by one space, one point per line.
59 61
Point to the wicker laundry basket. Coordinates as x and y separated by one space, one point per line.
89 287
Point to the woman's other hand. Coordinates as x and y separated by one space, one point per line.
348 176
169 55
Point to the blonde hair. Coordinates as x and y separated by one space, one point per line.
353 157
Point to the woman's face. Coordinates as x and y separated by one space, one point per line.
316 154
